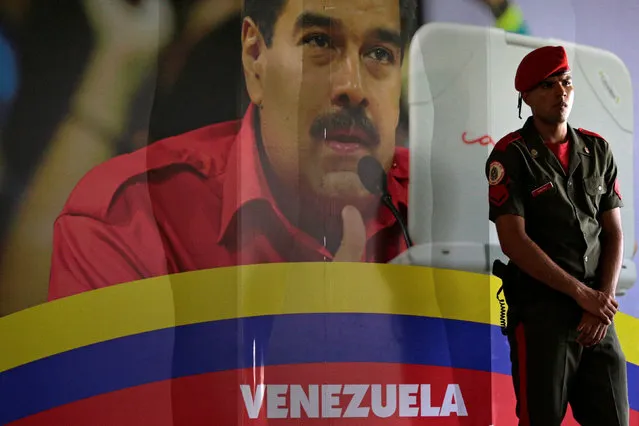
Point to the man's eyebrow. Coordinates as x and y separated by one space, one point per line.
557 77
310 19
561 75
388 36
316 20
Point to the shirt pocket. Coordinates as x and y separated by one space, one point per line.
594 187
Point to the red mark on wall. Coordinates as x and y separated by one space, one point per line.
483 141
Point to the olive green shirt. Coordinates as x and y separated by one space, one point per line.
562 211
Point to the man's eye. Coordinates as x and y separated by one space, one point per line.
317 40
382 55
546 85
567 83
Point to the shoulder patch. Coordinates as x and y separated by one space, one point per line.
496 173
96 191
507 140
498 195
589 133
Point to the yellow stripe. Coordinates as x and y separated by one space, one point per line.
271 289
628 330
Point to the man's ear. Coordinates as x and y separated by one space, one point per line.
253 58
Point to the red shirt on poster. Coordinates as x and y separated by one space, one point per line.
191 202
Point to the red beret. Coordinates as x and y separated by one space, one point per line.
540 64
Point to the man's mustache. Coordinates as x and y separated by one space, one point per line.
347 121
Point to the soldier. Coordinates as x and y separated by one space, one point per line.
555 199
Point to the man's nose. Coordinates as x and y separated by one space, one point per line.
347 83
562 91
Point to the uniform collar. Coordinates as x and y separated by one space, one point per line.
245 181
535 143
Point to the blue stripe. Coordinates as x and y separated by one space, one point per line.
633 386
227 345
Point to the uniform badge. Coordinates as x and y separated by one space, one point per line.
536 192
498 195
495 173
534 153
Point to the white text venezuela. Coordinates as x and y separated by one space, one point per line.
350 401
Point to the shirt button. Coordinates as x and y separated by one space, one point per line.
569 183
599 188
394 164
586 258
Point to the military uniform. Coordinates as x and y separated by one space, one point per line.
562 216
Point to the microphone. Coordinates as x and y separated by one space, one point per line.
373 177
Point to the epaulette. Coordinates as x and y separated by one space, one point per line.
507 140
589 133
97 190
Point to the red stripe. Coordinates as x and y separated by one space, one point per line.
617 189
158 404
507 140
215 398
520 336
589 133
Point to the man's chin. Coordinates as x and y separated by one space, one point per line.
555 120
339 189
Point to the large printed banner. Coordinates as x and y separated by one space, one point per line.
277 344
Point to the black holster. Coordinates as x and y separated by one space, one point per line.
505 273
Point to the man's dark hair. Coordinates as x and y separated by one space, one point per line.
266 12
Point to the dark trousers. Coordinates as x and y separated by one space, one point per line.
551 370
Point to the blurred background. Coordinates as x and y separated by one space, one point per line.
607 25
84 80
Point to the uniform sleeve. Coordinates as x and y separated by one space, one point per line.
89 254
612 198
505 194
